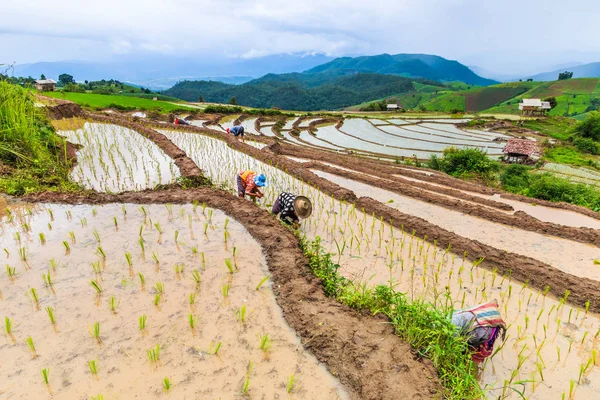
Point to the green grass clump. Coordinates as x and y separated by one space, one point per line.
29 146
428 329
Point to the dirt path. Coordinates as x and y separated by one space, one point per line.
363 351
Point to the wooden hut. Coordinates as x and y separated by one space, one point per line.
45 85
534 107
522 151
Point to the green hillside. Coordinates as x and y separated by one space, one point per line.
573 96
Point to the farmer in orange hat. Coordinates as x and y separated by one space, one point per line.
237 130
248 183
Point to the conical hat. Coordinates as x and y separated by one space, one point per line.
303 207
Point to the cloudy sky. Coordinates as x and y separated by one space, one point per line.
508 36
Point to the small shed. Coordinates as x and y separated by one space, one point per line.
534 107
45 85
521 151
393 107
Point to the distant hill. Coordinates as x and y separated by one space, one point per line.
304 91
162 72
581 71
409 65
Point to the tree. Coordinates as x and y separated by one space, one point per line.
65 79
42 77
233 101
200 99
565 75
552 101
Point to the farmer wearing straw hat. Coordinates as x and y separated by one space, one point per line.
237 130
248 183
291 208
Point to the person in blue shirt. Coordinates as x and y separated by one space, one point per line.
237 130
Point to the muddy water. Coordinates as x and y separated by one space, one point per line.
368 249
546 214
124 370
572 257
116 159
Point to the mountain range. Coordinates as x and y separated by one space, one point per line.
591 70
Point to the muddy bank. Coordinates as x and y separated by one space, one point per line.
363 351
519 219
187 167
407 188
520 267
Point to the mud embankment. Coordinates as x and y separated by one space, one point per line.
519 219
363 351
186 165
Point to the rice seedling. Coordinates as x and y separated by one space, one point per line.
45 375
34 298
72 236
196 277
159 287
290 384
99 397
177 237
229 265
97 268
95 332
97 236
246 386
113 304
11 272
96 287
154 354
67 247
192 299
205 229
166 384
42 238
101 253
23 254
192 321
31 346
265 342
93 366
240 314
116 223
128 259
8 326
225 290
142 323
142 281
262 281
202 257
217 347
50 312
178 268
142 245
47 279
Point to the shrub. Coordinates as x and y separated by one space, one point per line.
587 145
590 127
549 187
74 88
465 163
515 178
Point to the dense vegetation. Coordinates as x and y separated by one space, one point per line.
306 92
32 156
519 179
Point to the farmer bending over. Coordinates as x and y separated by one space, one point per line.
291 208
481 325
237 130
248 183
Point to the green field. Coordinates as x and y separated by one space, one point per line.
100 101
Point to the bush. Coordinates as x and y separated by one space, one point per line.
549 187
515 178
587 145
74 88
465 163
590 127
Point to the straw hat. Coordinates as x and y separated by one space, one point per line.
303 207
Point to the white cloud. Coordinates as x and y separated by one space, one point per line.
508 34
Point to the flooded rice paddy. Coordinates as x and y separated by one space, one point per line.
112 300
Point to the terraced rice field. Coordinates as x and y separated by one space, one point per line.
573 174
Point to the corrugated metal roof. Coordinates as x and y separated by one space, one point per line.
392 106
546 105
532 102
45 81
522 146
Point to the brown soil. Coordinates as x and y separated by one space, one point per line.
64 110
363 351
407 188
187 167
